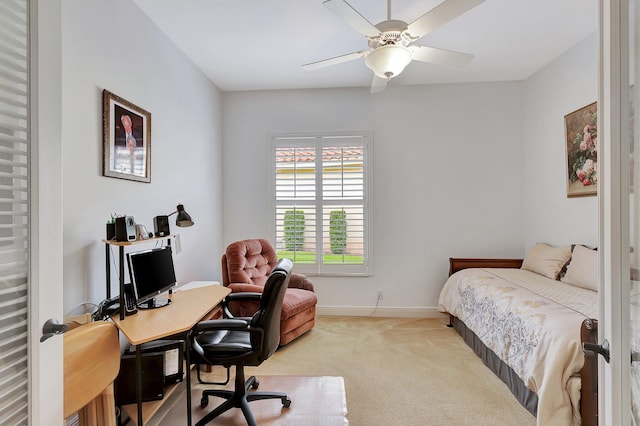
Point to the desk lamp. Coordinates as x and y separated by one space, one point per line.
161 223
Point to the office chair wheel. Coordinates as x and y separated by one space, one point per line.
286 402
255 384
204 401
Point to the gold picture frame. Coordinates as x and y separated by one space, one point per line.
126 145
581 134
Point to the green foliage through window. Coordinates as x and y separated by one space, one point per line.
294 229
338 231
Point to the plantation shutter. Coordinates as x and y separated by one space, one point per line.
13 212
296 203
321 203
343 203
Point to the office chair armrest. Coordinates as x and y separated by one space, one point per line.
238 297
221 324
241 297
300 281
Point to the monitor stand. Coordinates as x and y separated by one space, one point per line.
156 302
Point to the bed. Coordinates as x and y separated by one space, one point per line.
527 320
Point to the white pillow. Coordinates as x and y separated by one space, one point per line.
583 269
546 260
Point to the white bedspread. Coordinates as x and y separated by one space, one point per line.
533 324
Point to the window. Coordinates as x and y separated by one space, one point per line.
320 186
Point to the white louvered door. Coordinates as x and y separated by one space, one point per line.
14 212
31 389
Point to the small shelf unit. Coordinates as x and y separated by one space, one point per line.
121 271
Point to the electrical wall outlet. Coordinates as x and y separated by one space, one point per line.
380 295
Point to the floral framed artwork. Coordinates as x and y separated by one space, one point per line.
582 151
126 145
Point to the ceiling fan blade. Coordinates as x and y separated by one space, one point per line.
336 60
351 16
439 15
439 56
378 84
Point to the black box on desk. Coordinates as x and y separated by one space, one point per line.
173 359
152 378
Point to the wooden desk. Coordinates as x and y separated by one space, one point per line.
186 309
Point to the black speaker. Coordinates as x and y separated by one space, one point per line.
125 228
161 226
152 378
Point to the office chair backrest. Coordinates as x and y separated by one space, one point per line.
268 316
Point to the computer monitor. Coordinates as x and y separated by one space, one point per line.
152 273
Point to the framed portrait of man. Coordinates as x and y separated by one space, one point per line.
126 139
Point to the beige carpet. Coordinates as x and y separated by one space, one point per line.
398 371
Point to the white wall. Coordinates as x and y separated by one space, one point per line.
565 85
447 173
113 45
439 152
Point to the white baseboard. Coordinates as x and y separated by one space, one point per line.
380 311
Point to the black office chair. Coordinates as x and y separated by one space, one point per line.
241 342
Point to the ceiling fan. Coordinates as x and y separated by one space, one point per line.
391 40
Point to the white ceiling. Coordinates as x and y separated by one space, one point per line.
261 44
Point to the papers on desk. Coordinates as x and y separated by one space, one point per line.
196 284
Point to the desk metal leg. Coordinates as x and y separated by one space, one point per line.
107 256
139 383
121 271
187 357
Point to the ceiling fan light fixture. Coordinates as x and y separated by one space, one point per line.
388 61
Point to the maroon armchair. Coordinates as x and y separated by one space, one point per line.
246 266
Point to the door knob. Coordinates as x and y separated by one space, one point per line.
591 348
51 327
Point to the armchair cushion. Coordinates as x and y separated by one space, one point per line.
296 301
300 281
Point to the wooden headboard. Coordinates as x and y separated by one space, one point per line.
458 263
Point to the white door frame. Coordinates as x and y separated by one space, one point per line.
46 253
613 128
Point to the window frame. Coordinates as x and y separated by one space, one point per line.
318 141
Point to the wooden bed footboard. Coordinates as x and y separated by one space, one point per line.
588 333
